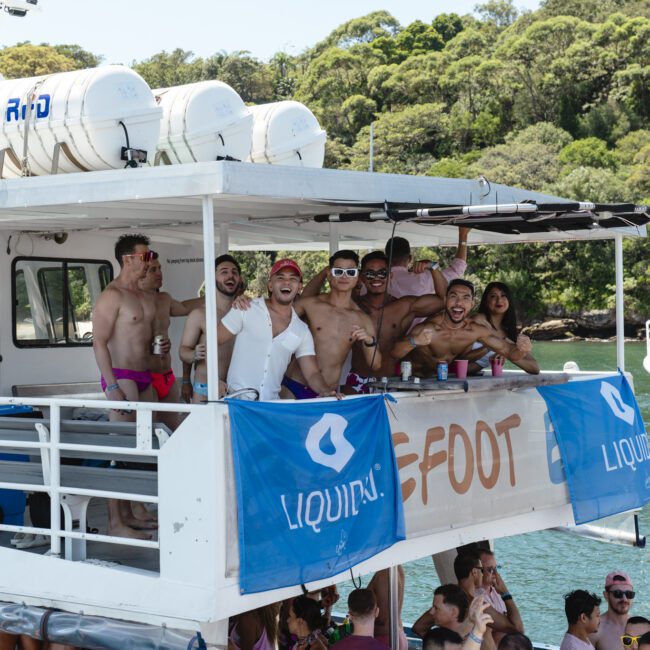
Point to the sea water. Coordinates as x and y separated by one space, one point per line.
539 568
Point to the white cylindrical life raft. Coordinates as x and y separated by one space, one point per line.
203 121
287 133
89 115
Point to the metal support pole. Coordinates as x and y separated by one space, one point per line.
334 238
371 162
210 299
393 599
224 244
55 480
620 307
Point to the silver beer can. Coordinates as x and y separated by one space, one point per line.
406 368
157 344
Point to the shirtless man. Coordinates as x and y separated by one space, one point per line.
160 365
390 316
193 348
619 595
122 335
443 337
337 325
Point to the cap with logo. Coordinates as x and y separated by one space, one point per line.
617 578
280 265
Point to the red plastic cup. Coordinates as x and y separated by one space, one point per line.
497 367
461 368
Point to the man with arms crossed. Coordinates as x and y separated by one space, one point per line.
267 334
122 336
443 337
193 344
337 325
619 594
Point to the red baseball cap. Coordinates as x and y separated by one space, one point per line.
617 578
285 264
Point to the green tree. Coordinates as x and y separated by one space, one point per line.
500 12
28 60
175 68
588 152
82 58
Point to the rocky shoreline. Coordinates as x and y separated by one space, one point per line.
598 325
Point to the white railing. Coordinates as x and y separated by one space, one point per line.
53 487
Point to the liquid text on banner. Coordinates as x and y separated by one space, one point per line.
317 486
603 445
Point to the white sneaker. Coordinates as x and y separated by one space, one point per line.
28 540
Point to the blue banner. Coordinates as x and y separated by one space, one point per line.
603 445
317 488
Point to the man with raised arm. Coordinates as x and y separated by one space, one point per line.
123 320
391 317
337 325
267 334
193 343
419 281
444 336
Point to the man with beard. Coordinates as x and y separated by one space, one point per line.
267 334
123 320
445 336
619 594
193 344
391 317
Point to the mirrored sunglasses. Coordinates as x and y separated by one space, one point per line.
382 274
339 273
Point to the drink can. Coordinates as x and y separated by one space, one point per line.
443 371
406 370
157 344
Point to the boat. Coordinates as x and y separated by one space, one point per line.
476 460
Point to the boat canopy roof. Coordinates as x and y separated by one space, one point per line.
293 208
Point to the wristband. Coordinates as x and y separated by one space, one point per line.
506 596
112 387
476 639
412 342
433 266
372 343
186 382
462 243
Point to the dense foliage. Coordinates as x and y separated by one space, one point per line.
556 100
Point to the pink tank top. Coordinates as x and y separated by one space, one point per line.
262 643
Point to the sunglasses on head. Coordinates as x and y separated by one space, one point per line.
339 273
149 256
628 640
382 274
619 593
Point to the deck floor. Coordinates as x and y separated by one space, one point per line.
131 556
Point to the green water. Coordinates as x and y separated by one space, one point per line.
540 567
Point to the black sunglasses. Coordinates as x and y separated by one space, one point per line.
382 274
619 593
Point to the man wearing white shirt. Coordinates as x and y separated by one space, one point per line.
267 334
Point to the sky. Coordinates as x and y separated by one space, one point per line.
127 30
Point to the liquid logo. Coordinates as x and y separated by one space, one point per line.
615 402
17 112
343 450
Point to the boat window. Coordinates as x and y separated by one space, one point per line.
54 298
